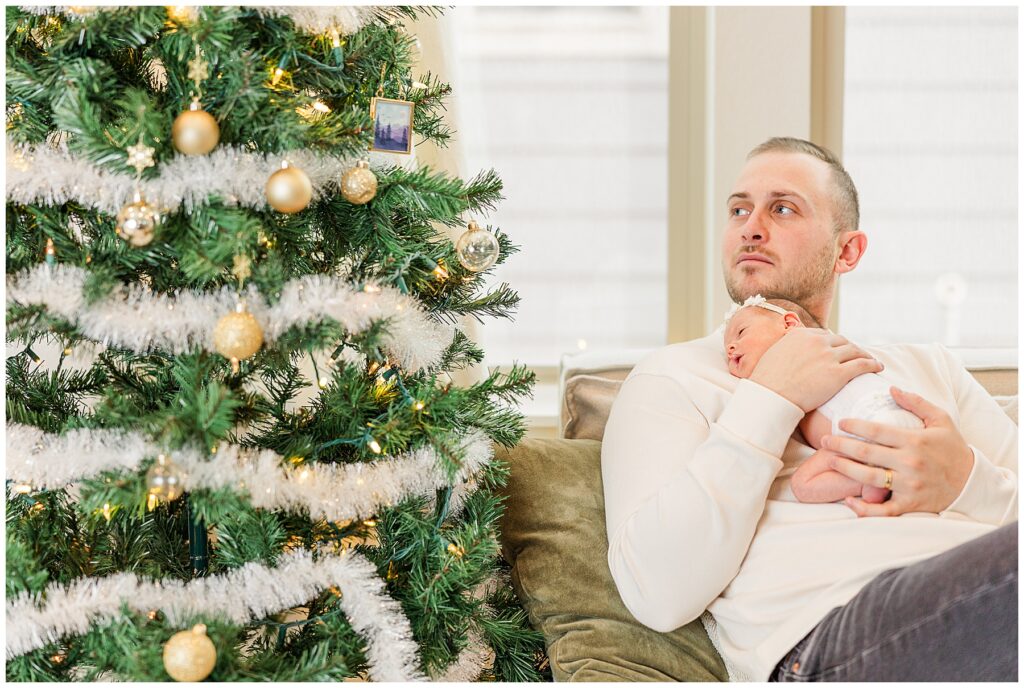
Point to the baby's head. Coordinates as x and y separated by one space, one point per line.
755 326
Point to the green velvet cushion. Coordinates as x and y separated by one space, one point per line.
553 534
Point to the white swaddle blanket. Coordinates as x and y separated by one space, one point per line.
867 397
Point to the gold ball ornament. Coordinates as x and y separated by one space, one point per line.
165 480
477 249
137 221
359 184
237 336
289 190
195 131
190 655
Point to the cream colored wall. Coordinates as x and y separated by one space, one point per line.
761 67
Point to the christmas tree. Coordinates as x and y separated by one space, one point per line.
246 459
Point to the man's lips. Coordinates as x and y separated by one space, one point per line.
753 257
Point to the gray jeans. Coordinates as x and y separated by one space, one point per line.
952 617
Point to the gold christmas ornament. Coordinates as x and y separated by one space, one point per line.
165 480
137 221
359 184
477 249
237 336
289 189
190 655
195 131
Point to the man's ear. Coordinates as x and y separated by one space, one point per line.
851 249
791 320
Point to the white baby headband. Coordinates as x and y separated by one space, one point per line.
756 300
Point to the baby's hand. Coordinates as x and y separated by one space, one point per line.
875 495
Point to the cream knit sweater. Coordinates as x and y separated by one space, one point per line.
696 467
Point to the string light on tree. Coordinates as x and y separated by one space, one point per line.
190 655
477 249
237 336
183 14
289 190
359 184
164 480
50 252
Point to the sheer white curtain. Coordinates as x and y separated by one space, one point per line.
930 139
569 105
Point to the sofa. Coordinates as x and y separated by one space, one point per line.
553 534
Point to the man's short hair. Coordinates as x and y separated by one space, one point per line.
844 193
805 317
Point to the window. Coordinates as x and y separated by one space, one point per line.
930 139
569 105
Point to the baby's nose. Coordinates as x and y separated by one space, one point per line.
732 347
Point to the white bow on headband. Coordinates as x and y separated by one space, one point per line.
756 300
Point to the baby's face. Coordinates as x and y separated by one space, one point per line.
748 335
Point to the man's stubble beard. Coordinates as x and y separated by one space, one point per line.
807 283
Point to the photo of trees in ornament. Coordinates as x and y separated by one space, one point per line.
392 125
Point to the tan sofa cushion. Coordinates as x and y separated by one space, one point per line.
588 397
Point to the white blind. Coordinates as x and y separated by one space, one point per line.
930 139
569 105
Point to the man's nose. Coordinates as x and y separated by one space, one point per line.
754 229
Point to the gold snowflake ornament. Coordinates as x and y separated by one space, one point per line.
241 269
198 68
140 156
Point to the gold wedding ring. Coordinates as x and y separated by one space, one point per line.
888 479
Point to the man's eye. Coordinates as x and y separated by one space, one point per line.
786 208
737 211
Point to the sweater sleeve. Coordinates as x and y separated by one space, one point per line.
990 493
683 496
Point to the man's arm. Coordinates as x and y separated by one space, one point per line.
990 493
683 496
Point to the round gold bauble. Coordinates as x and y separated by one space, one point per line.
195 131
137 221
165 480
359 184
289 190
190 655
237 335
477 249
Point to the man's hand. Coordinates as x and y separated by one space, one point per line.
930 465
808 366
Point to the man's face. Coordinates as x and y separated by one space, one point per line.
751 332
779 240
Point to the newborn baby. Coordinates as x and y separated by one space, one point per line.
750 330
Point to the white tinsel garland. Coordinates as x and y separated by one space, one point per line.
137 319
47 175
252 591
331 491
346 20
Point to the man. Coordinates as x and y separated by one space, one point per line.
696 467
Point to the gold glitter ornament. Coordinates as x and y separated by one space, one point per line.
195 131
137 221
190 655
359 184
289 190
164 480
477 249
237 336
